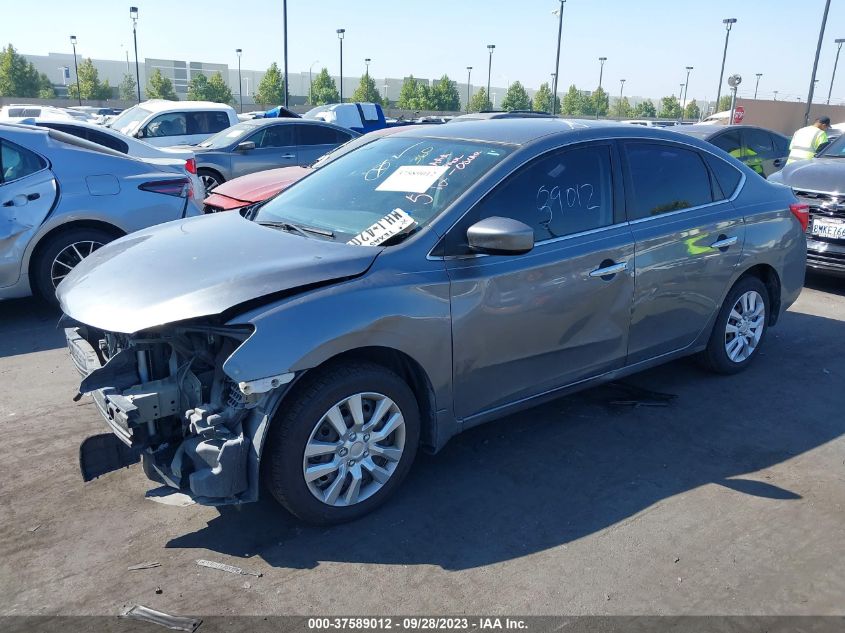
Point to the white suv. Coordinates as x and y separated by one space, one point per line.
165 123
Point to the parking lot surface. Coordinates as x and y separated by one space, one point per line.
731 500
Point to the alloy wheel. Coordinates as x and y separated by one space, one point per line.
354 449
69 257
746 322
209 182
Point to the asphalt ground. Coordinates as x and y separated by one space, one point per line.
731 500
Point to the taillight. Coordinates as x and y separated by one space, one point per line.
191 165
180 187
801 213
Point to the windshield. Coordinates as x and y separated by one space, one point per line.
836 149
226 137
390 186
348 146
129 120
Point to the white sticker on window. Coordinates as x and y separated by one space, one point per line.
234 133
392 224
412 178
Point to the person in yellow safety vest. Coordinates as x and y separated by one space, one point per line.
806 141
755 163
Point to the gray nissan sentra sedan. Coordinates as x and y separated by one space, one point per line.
416 287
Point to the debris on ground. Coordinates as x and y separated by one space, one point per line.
677 559
169 497
174 622
139 566
634 396
34 528
159 591
247 585
229 568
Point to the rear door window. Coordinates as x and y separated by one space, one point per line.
168 124
665 178
209 122
277 136
730 142
17 162
758 143
320 135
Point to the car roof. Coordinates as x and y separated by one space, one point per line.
160 105
704 131
513 131
288 121
501 114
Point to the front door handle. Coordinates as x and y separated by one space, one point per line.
288 156
724 242
609 270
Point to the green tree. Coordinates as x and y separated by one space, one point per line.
271 88
45 87
218 91
516 98
724 104
692 111
576 104
366 92
160 87
127 90
89 83
18 77
479 101
408 94
600 102
324 89
543 99
645 110
198 88
422 97
669 108
622 108
444 95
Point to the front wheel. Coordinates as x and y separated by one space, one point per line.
343 443
210 179
740 328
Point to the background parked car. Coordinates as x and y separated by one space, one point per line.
62 197
240 193
762 150
820 183
166 123
260 144
19 110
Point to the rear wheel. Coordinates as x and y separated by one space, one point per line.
61 254
210 179
343 443
740 327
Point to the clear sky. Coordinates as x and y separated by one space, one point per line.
647 42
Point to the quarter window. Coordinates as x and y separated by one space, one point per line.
206 122
758 143
726 175
17 162
320 135
562 193
665 178
730 142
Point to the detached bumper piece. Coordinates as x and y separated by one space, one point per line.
190 445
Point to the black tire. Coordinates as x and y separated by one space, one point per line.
715 357
210 179
290 432
41 269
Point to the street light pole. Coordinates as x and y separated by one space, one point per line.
469 86
621 88
553 98
839 42
311 82
340 33
557 57
776 95
240 81
816 63
757 85
602 60
728 22
76 68
490 48
285 32
133 14
681 92
367 61
686 91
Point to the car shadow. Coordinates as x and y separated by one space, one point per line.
29 325
825 283
553 474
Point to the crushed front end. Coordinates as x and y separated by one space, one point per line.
165 396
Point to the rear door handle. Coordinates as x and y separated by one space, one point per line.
607 271
723 242
288 156
21 199
33 196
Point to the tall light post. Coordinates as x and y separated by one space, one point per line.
133 15
686 91
490 48
385 95
776 95
757 85
469 85
728 22
680 103
602 60
311 82
367 61
553 98
816 64
621 88
340 33
240 81
557 57
285 33
839 43
76 68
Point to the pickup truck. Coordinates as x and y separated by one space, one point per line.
359 117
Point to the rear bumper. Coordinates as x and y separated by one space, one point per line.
826 256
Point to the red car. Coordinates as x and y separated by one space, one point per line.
242 192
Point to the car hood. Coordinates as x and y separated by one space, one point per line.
198 267
261 185
816 174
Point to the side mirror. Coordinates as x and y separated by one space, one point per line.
500 236
140 133
245 146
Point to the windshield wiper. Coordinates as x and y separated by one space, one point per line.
302 229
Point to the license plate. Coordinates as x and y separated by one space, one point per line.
830 229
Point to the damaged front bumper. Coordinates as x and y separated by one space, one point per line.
166 398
